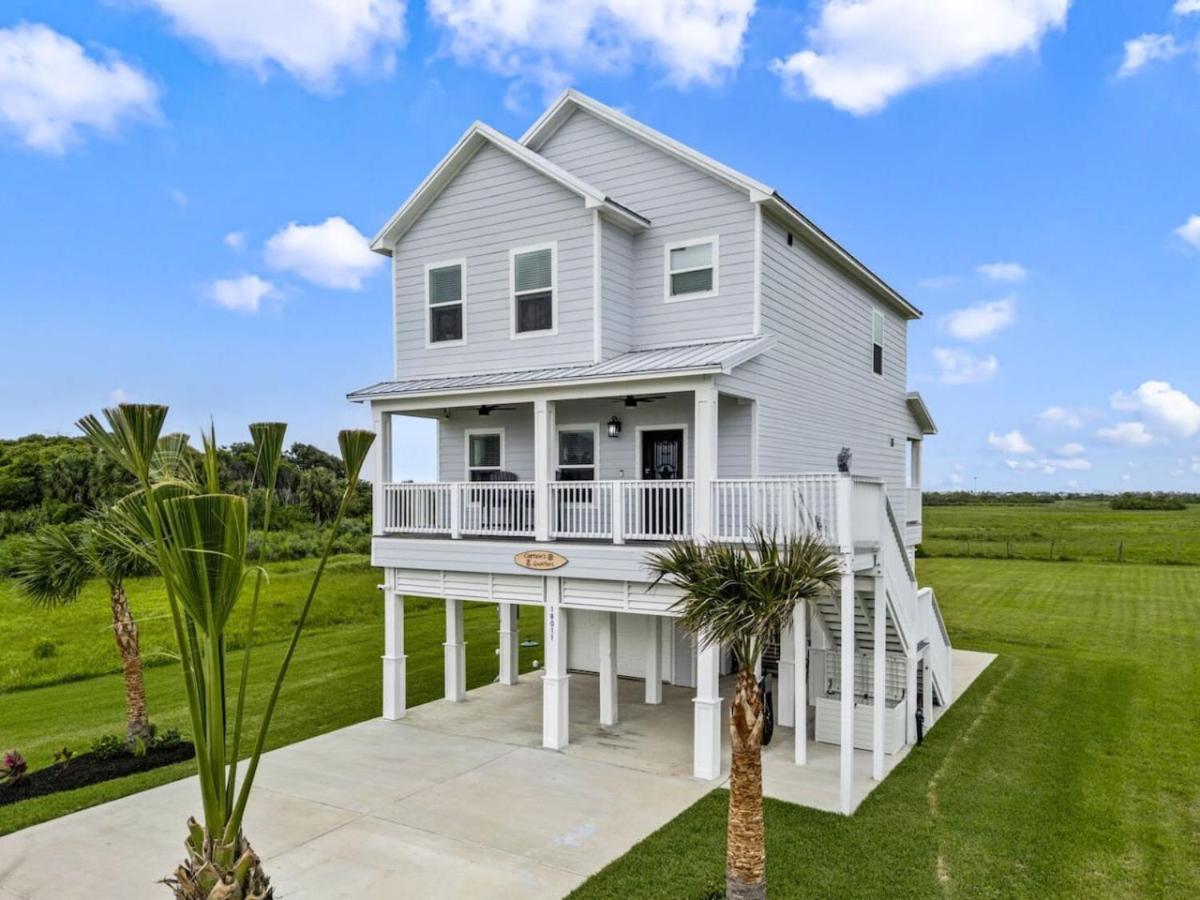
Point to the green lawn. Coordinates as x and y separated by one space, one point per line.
335 679
1070 769
1080 530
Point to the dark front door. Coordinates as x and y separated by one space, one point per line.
662 460
662 454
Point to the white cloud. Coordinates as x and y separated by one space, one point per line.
956 478
1163 405
1072 449
179 198
235 241
1062 416
50 89
117 396
1048 466
1074 463
314 41
981 320
333 254
1013 442
961 367
863 53
1146 49
1003 271
1186 7
1129 434
1189 231
938 281
242 294
540 43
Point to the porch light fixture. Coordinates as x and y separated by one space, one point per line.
614 427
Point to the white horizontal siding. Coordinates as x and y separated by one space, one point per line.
815 386
494 205
616 280
681 202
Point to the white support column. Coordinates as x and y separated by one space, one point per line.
456 653
910 700
706 736
383 468
800 653
653 660
846 786
555 681
785 691
394 660
544 436
879 685
509 638
705 457
927 691
608 669
915 464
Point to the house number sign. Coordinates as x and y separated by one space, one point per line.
540 559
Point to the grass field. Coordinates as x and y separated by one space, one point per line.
1070 769
1078 530
335 678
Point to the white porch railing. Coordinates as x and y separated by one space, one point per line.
912 505
790 504
618 511
658 510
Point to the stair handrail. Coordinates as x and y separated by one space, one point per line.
891 515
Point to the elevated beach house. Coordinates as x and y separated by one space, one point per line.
624 342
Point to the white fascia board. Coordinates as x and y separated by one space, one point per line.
445 171
920 413
570 100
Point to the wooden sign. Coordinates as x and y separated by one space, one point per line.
540 559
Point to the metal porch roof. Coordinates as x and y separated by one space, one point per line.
714 356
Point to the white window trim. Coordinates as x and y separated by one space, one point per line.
637 448
876 312
715 240
445 264
594 428
467 435
513 334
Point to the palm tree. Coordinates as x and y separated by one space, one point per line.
198 538
740 597
52 569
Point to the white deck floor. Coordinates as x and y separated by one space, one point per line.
458 800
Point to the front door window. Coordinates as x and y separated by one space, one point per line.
662 454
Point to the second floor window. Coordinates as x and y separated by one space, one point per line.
691 269
533 290
877 341
485 455
444 292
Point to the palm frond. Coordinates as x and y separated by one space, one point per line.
355 443
206 555
52 566
133 438
268 450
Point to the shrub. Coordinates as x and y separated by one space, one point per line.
109 746
63 757
44 648
1155 501
12 767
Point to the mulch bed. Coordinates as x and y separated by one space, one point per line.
86 769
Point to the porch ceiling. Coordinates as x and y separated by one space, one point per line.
694 359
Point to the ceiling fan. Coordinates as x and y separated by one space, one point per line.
486 409
631 401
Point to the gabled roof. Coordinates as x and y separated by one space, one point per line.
475 137
758 192
713 357
920 413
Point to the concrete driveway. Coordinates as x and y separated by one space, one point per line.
383 809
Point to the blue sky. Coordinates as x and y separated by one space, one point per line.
153 154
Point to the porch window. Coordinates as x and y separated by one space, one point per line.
577 453
692 269
444 299
877 341
533 290
485 455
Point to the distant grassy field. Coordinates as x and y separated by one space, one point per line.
1066 530
335 678
1070 769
